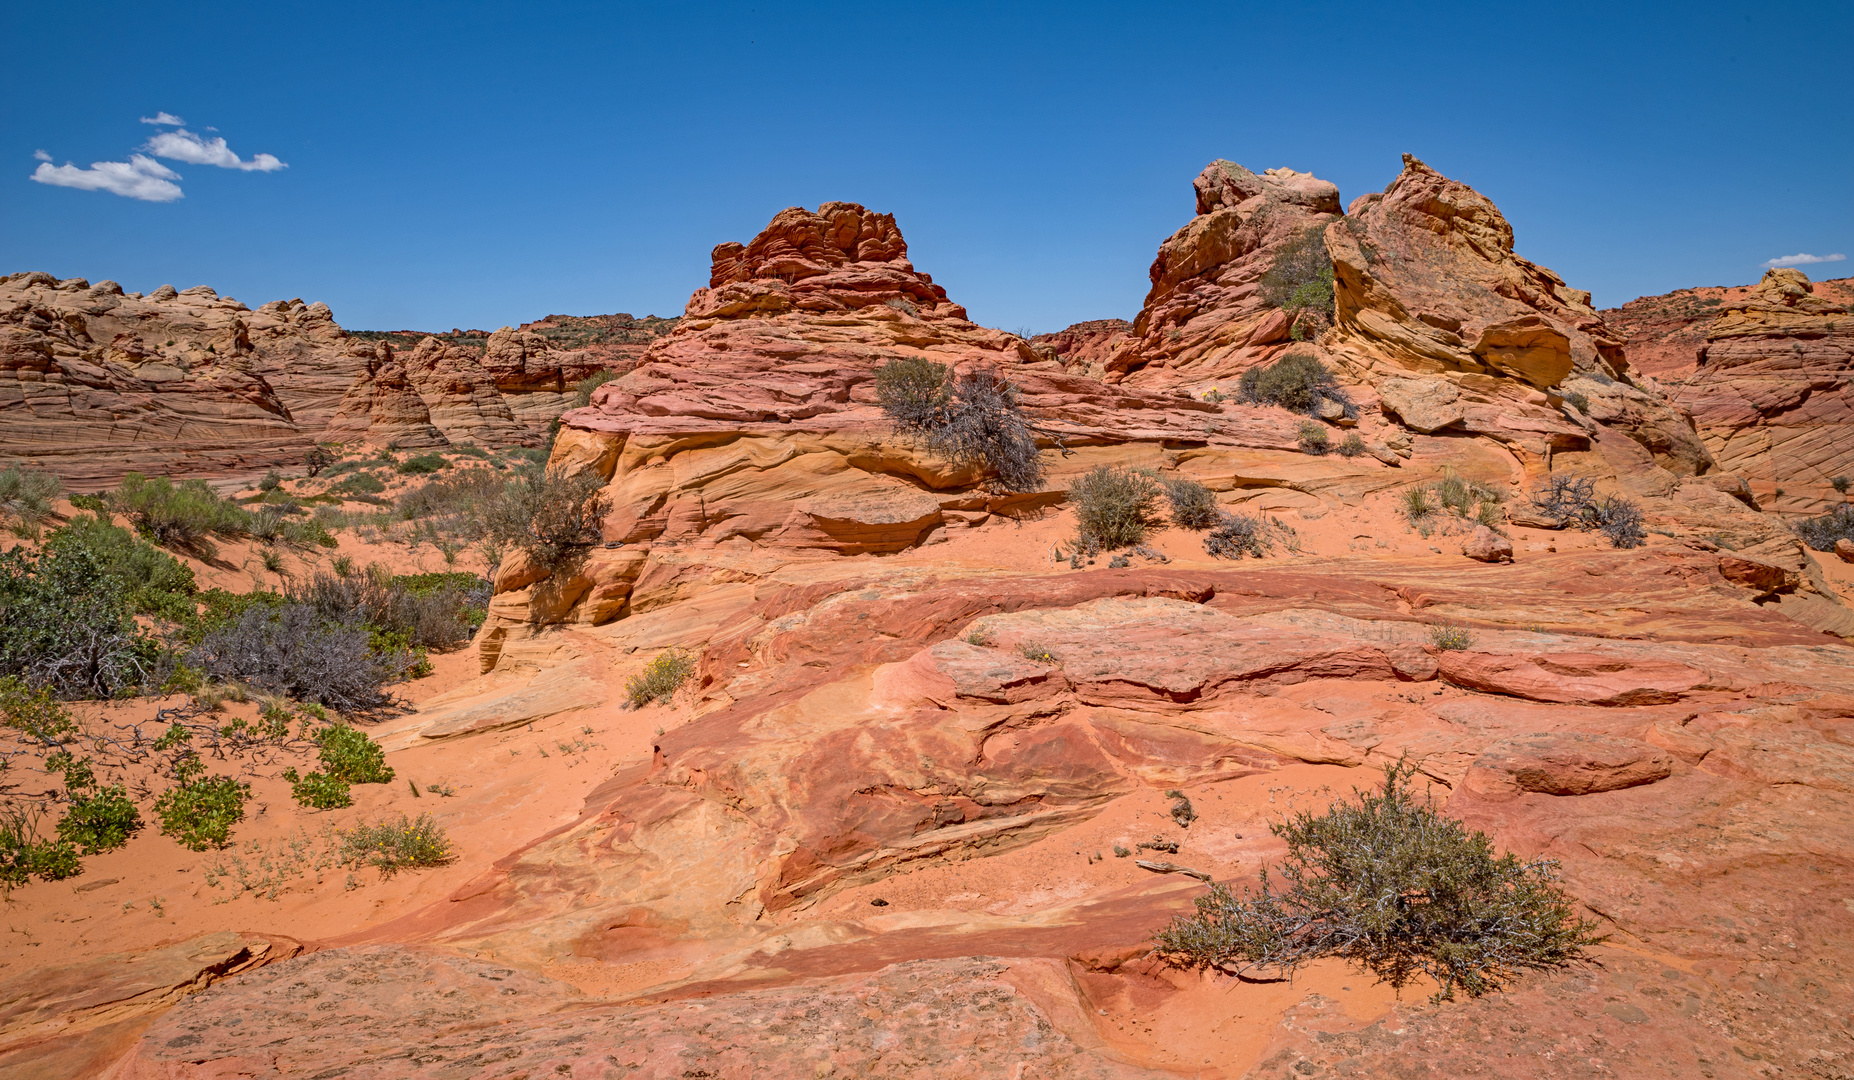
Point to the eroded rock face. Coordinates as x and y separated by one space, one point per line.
95 382
1766 371
968 1017
1205 318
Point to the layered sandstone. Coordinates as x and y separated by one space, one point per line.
441 391
1766 371
95 382
1205 318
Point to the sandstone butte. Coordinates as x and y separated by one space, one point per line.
95 382
874 838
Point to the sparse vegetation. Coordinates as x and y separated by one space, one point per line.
1841 484
422 464
26 497
1822 531
1115 508
1450 636
660 679
1300 282
1311 435
972 420
582 390
1352 446
293 650
392 846
1193 506
1390 884
1464 500
1578 401
67 623
1297 382
1573 501
550 517
1031 650
199 812
1242 534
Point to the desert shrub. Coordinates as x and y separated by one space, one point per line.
1390 884
155 582
548 516
1311 435
971 420
1297 382
426 611
1242 534
1450 636
1033 650
348 754
318 459
396 845
1822 531
1114 507
660 679
1351 447
1300 282
200 811
271 482
319 791
1193 505
422 464
1841 484
67 624
1577 401
182 515
1573 500
360 483
582 390
100 819
24 854
294 651
26 495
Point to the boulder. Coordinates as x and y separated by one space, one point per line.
1844 550
1566 763
1485 545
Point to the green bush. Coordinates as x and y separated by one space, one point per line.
100 819
67 624
1114 508
1392 885
1297 382
1841 484
23 855
318 790
360 483
349 755
1193 505
1351 447
972 420
201 810
155 582
422 464
1300 282
394 846
1312 437
271 482
182 515
660 679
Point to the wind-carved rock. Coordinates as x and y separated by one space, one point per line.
1205 317
95 382
1766 370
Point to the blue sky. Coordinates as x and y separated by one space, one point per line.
477 165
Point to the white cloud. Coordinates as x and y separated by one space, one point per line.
1803 260
40 155
183 145
163 118
140 177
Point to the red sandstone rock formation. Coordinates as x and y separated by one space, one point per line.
95 382
1766 371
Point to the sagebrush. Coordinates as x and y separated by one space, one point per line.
1297 382
973 419
1392 885
1115 507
